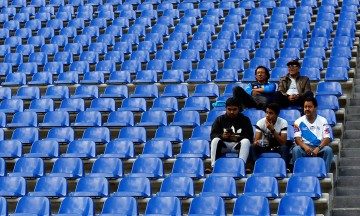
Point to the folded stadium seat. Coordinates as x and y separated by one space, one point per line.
313 62
106 66
212 115
225 75
98 47
254 25
86 92
163 205
179 186
271 167
184 25
324 24
12 41
96 134
208 64
133 104
34 24
27 93
211 205
38 58
107 167
329 88
134 187
112 57
321 42
249 75
28 167
44 149
165 54
109 39
217 54
67 78
5 49
233 18
70 32
80 149
186 118
222 186
339 62
130 38
282 61
85 40
43 78
5 93
313 73
236 60
153 118
10 149
298 33
119 149
57 92
23 119
168 17
176 90
292 53
80 67
222 168
72 105
158 149
254 115
290 115
304 205
190 54
120 119
43 16
329 114
23 33
328 102
85 206
50 187
145 76
349 32
173 134
115 92
15 59
199 76
101 20
33 205
92 31
90 57
304 186
251 34
61 135
269 186
341 51
102 105
124 46
93 77
147 167
11 105
205 36
189 167
87 119
120 205
91 187
157 65
161 29
194 148
167 104
133 66
310 166
145 91
201 132
277 73
13 186
129 14
251 205
134 134
64 57
12 25
271 43
53 67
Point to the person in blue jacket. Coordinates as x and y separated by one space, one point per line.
257 94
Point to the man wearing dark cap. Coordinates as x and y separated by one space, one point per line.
293 88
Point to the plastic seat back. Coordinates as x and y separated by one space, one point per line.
304 186
148 167
169 133
207 205
91 187
135 134
62 134
33 205
251 205
274 167
24 119
26 135
50 186
304 206
135 187
10 149
68 167
187 118
233 167
178 186
81 149
310 166
120 205
84 206
262 186
164 205
191 167
28 167
107 167
223 186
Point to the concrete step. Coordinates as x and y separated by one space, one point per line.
352 125
347 191
348 181
345 211
351 143
346 201
344 162
350 152
352 115
349 171
353 109
351 134
354 102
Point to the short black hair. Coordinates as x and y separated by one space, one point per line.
274 107
313 100
233 102
267 72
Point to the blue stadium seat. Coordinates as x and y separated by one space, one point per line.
12 41
120 205
63 57
145 91
328 102
290 52
96 134
44 149
5 69
15 59
304 206
85 206
228 74
186 118
277 73
53 67
61 135
90 57
27 93
145 76
68 168
112 56
91 187
91 31
11 105
313 73
251 205
40 58
119 77
329 114
116 91
85 40
212 115
164 205
133 104
158 149
329 88
254 115
179 186
87 119
339 62
222 168
25 49
43 78
68 78
28 167
134 134
10 149
157 65
119 148
33 205
209 205
86 91
176 90
107 167
102 105
201 104
153 118
13 186
120 119
168 104
290 115
222 186
269 186
272 167
23 119
304 186
310 166
72 105
173 134
204 35
5 49
147 167
190 167
201 132
50 187
194 148
93 77
5 93
133 66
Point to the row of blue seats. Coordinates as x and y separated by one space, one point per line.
244 205
178 183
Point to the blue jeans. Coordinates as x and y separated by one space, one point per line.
326 153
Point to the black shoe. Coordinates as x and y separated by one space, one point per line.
208 170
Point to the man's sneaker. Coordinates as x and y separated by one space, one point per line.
208 170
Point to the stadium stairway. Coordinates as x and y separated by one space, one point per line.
347 193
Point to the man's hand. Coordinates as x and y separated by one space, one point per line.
315 151
269 125
308 150
233 137
256 143
293 97
226 135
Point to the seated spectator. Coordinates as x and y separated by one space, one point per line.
258 94
271 134
230 133
312 135
293 88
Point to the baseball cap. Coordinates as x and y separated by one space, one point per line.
293 62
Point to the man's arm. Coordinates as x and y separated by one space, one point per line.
258 136
247 130
216 129
323 143
299 142
280 138
307 86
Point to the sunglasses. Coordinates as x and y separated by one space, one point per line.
293 66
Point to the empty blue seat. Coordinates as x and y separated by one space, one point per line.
251 205
145 91
28 167
168 104
201 132
63 57
50 186
86 91
190 167
222 186
339 62
27 93
5 93
93 77
290 115
133 104
13 186
254 115
182 64
120 119
173 134
329 88
23 119
119 77
222 167
153 118
176 90
115 92
145 76
15 59
44 149
201 104
107 167
33 205
91 187
304 206
207 205
90 57
329 114
179 186
106 66
43 78
187 118
157 148
85 206
134 134
70 77
119 149
72 105
96 134
194 148
87 119
25 50
262 186
62 135
120 205
208 64
273 167
304 186
102 105
81 149
147 167
6 69
328 102
163 205
134 186
10 149
68 168
310 166
53 67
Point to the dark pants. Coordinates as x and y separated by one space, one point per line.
256 151
249 101
283 101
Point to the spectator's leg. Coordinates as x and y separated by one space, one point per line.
255 152
284 152
244 149
301 100
327 154
298 152
281 99
215 153
244 98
